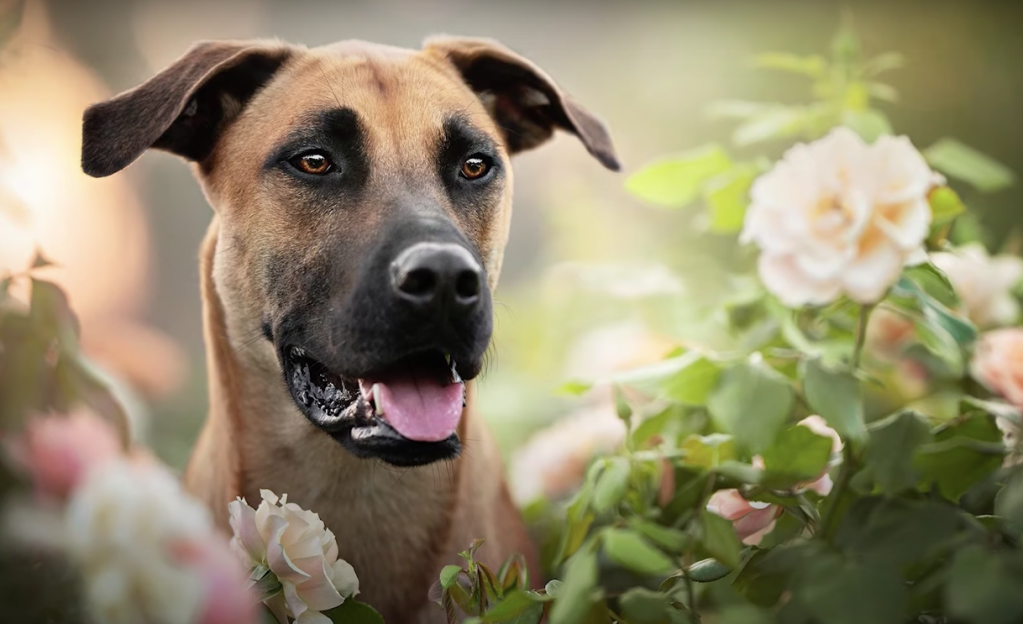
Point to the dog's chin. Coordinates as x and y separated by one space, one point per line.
351 410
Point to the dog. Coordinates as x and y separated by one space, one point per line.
362 197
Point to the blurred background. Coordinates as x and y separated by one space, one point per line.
594 281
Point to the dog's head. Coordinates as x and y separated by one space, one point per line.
363 195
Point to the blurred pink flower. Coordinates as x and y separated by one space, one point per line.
998 363
752 520
60 450
227 601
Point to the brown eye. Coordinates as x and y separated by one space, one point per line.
474 167
313 163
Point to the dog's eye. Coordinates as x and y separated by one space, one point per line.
475 167
313 163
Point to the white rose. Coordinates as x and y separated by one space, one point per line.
984 283
296 546
125 521
838 216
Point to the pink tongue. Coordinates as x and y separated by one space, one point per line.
419 406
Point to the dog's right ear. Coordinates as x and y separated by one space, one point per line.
183 109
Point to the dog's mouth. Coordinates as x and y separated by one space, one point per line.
406 414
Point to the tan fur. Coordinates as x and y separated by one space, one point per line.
396 526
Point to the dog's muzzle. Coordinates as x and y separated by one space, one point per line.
404 402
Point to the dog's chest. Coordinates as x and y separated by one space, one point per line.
391 523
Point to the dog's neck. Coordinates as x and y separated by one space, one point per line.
253 419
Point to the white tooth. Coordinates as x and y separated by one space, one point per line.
447 359
376 400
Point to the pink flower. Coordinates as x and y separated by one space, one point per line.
226 601
60 450
998 363
752 520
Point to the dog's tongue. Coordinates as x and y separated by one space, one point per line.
418 405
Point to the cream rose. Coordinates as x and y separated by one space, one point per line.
838 216
299 550
984 283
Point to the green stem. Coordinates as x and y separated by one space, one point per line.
845 474
861 335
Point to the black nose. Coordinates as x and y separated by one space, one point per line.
440 275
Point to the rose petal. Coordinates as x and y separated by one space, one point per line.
243 523
318 592
345 580
276 557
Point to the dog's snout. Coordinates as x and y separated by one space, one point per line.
443 275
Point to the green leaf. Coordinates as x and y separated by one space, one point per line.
869 123
352 611
612 484
836 396
578 589
643 606
266 586
708 451
676 182
798 453
727 196
889 454
513 605
719 539
10 22
672 540
899 531
752 402
840 592
776 122
631 550
984 586
945 206
708 570
812 66
449 575
687 378
934 282
957 160
962 454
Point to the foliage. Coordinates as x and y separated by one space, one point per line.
923 522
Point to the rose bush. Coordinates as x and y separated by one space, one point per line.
833 446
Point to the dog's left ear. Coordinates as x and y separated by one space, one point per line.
523 100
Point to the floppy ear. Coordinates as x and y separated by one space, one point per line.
182 109
522 99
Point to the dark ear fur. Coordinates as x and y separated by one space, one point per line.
521 98
182 109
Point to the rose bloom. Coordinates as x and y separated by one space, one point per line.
148 552
753 520
998 363
59 450
984 283
296 546
838 216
